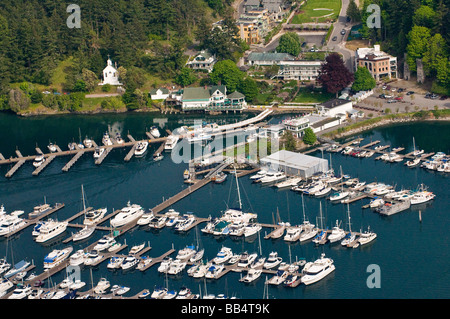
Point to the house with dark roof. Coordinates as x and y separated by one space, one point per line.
335 107
159 94
212 98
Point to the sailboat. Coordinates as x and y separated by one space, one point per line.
339 195
350 238
308 230
87 230
416 160
321 237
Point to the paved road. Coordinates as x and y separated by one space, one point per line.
339 44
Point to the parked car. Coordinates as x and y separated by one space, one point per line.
400 90
334 38
343 31
410 93
399 98
443 97
382 96
392 101
388 96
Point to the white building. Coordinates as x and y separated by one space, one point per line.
295 163
159 94
297 126
202 61
335 107
110 75
299 70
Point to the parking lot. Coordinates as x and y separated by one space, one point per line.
403 101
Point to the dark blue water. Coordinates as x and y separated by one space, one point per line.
413 256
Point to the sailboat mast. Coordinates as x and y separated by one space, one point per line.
82 195
239 193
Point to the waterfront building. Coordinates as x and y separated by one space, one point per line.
379 63
159 94
299 70
212 98
297 164
335 107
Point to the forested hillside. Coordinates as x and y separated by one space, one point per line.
420 28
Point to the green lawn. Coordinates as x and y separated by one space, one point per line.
306 95
309 15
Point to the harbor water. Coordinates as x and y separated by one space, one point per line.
411 252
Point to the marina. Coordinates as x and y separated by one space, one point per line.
163 188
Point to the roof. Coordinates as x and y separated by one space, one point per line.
202 93
294 160
270 56
236 95
252 3
334 103
163 90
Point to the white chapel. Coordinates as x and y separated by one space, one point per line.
110 75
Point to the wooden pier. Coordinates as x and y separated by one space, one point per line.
48 160
73 161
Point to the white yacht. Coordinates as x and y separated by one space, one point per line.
88 142
185 222
422 196
273 261
77 258
413 163
104 243
155 132
376 202
251 229
51 147
56 257
272 177
92 217
252 275
159 293
92 257
39 160
223 256
338 196
145 219
127 215
10 224
106 140
214 271
176 267
119 138
366 237
171 142
17 268
141 148
308 231
157 222
115 262
289 182
258 175
4 266
246 259
292 233
5 285
129 262
50 230
337 233
98 152
102 286
21 292
165 264
317 270
186 253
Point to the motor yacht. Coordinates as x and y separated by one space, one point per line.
422 197
144 262
159 293
214 271
102 286
38 160
119 139
308 231
136 249
413 163
145 219
272 261
141 148
337 233
127 214
50 230
77 258
292 233
52 147
88 142
10 224
258 175
223 255
251 276
98 152
56 257
366 237
21 292
106 140
92 257
186 253
176 267
173 217
39 210
251 229
115 262
185 222
246 259
376 202
157 222
129 262
278 278
104 243
317 270
4 266
272 177
171 142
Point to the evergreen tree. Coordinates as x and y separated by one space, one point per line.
364 81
